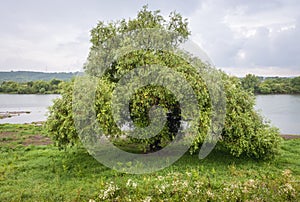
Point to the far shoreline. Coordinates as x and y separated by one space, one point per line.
9 114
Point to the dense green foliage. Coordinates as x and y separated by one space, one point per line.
244 133
25 76
60 123
271 85
42 173
31 87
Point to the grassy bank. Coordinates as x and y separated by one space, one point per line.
31 169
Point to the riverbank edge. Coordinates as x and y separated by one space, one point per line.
40 123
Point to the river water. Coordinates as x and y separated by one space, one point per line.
282 110
37 105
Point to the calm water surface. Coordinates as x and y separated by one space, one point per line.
36 104
282 110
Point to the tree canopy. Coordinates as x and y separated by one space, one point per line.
244 133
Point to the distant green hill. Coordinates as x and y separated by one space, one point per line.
24 76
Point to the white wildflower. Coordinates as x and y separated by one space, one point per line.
250 183
288 188
134 185
147 199
160 178
162 189
185 183
210 194
287 173
109 191
130 183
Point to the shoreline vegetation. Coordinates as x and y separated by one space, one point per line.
41 123
24 82
32 87
29 82
271 85
74 175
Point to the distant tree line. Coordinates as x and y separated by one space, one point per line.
271 85
251 83
32 87
25 76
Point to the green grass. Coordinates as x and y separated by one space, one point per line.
43 173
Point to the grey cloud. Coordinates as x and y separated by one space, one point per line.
56 33
15 63
273 49
217 26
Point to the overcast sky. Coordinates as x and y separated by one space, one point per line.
260 37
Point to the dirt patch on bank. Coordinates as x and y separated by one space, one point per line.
7 134
13 138
37 140
289 137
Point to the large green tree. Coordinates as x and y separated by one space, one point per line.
244 131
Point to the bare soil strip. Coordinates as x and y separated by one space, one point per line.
288 137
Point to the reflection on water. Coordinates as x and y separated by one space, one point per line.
35 104
282 110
